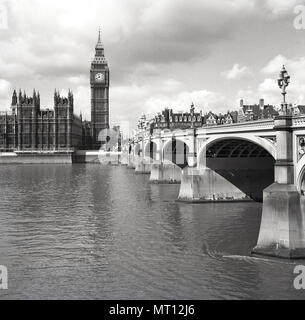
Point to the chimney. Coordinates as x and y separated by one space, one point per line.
241 103
261 104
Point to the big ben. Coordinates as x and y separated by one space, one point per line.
99 81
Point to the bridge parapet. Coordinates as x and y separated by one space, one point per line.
240 127
298 122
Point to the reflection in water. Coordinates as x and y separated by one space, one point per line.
88 231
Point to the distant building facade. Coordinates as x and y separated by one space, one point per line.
171 120
256 111
178 120
186 120
298 110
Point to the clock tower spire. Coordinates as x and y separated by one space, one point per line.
99 82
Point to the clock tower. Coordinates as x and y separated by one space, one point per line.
99 81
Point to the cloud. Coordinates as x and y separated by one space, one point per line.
236 72
159 51
152 99
5 88
269 88
281 7
274 65
248 95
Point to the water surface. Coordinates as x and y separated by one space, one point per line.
94 232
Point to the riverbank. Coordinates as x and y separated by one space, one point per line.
58 157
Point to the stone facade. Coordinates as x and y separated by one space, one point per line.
178 120
99 82
186 120
256 111
27 127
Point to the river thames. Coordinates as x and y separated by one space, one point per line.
102 232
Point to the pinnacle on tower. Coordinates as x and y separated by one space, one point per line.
14 98
99 44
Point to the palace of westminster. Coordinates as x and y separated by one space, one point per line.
28 128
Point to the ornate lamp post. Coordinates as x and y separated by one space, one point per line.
282 226
283 82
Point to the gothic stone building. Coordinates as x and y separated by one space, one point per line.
99 83
29 128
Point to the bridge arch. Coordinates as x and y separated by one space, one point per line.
176 151
300 175
137 149
245 162
263 143
150 150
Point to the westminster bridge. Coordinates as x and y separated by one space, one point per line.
247 161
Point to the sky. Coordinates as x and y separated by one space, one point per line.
161 53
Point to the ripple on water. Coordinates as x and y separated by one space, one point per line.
98 232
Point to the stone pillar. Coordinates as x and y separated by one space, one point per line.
159 144
191 179
282 225
192 155
165 172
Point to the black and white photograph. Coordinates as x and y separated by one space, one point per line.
152 150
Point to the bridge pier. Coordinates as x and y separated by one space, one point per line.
165 172
143 167
205 185
282 225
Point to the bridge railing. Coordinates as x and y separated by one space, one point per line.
298 121
253 125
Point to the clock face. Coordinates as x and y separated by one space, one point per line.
99 77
